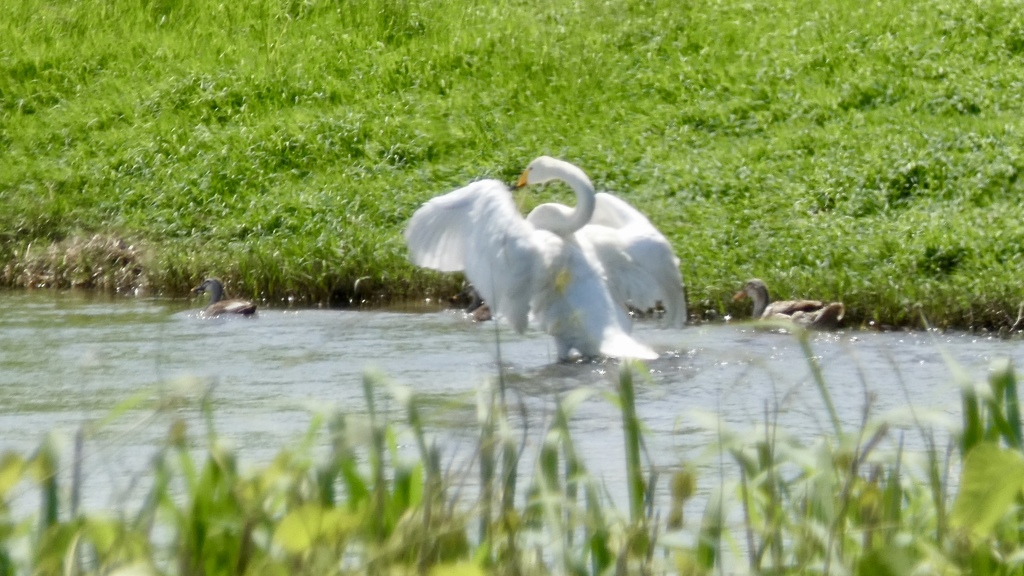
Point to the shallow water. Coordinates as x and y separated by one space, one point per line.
66 359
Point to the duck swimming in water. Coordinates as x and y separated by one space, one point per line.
470 301
217 305
807 313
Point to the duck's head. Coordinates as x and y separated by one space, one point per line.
211 285
753 289
206 285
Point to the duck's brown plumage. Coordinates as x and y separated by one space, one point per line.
808 313
218 305
470 301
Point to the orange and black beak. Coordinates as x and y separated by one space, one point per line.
522 179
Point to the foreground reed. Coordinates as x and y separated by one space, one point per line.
349 499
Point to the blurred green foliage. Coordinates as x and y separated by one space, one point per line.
366 494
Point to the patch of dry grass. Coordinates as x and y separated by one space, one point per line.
98 262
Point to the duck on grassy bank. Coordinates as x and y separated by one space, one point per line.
520 268
807 313
218 305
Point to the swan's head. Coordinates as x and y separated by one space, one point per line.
546 168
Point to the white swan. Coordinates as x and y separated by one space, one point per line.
520 269
638 263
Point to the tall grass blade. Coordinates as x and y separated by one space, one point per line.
893 505
773 523
510 452
330 469
753 558
158 496
379 519
1006 404
631 431
595 527
76 471
551 499
709 538
819 379
428 455
45 467
598 534
973 427
486 409
571 464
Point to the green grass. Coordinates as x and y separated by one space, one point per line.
864 152
367 494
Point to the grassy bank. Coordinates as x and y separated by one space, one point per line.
369 494
863 152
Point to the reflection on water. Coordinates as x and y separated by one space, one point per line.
67 359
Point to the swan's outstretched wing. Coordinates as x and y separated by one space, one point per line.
478 229
638 260
438 232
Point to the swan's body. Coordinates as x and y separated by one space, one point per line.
808 313
218 305
519 269
637 260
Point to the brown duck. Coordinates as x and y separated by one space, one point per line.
217 305
470 301
807 313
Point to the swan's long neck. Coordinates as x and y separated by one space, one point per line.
554 217
559 218
585 199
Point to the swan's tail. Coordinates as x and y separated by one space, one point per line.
622 345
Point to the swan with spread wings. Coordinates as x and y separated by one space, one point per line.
521 269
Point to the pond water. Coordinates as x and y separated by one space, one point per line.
66 359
